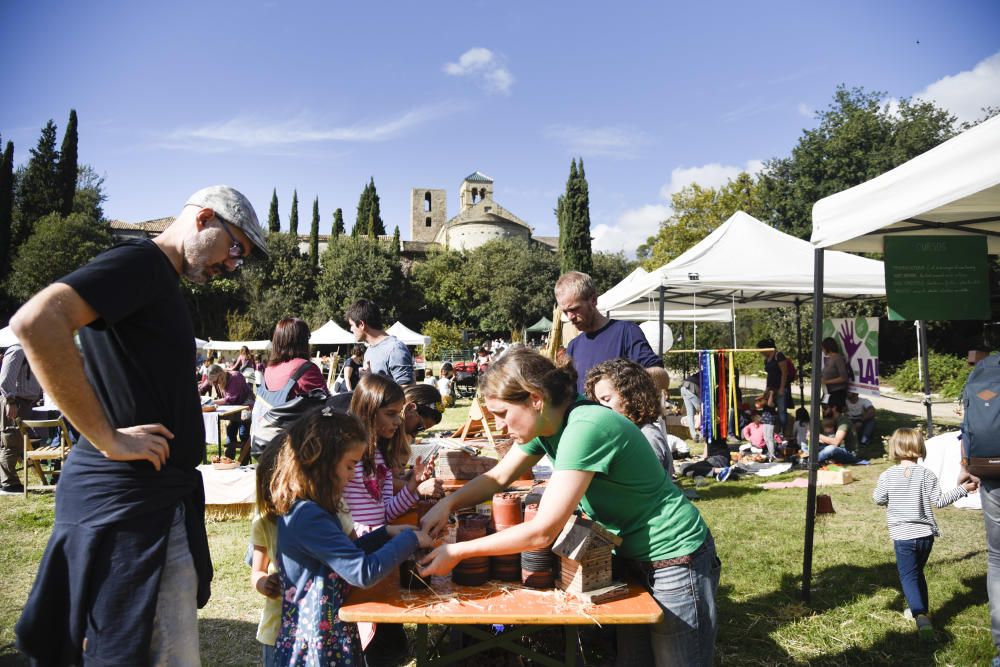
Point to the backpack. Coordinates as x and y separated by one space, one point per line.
273 412
981 420
792 372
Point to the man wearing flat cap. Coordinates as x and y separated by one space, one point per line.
127 564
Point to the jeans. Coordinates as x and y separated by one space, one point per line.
692 404
865 428
911 557
175 626
267 655
835 454
686 635
236 432
769 440
989 491
782 402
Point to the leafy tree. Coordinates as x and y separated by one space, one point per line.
67 166
58 246
608 269
273 220
573 214
283 286
89 198
696 212
6 208
440 281
511 281
338 223
38 192
210 305
444 336
354 268
293 218
858 137
314 236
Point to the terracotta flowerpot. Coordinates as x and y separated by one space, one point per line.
507 509
530 511
424 506
824 504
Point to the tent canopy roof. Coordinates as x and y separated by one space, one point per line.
331 333
408 335
748 264
954 187
542 325
237 344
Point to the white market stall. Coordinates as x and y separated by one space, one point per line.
332 333
7 337
407 335
952 189
230 345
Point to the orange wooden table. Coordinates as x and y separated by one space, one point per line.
464 607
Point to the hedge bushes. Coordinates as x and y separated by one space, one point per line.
947 375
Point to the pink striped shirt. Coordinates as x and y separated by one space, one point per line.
371 500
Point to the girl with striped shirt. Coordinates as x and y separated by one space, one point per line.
910 492
378 402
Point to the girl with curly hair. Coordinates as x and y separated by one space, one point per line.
626 387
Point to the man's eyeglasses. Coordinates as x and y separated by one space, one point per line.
235 250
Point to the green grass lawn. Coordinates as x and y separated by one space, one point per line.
854 618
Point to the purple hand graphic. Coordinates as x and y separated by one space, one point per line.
847 335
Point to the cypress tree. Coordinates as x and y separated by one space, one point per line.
395 241
338 223
573 213
371 225
377 226
6 208
68 168
273 221
293 218
314 236
38 192
362 217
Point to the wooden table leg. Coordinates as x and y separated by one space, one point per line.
421 647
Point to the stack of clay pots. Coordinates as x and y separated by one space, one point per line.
506 513
472 571
537 566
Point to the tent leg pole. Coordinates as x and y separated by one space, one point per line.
660 352
798 335
807 551
924 354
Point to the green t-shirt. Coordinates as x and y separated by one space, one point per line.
630 494
850 440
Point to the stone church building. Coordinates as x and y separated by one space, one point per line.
480 218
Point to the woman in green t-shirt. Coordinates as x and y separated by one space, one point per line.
602 464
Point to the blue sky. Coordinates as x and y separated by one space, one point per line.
320 96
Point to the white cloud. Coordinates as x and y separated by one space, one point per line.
708 175
620 142
254 132
966 93
632 227
806 110
486 67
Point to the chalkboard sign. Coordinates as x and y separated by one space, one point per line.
937 278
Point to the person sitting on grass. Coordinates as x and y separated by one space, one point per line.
836 438
910 492
862 415
802 425
626 387
714 462
754 431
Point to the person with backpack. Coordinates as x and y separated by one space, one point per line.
289 374
780 373
981 465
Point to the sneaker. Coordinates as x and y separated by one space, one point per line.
725 473
12 490
924 628
862 462
996 662
908 614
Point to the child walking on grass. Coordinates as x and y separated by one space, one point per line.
317 561
910 492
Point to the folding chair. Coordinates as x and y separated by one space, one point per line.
35 451
480 420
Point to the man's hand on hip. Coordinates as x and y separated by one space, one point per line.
147 442
11 409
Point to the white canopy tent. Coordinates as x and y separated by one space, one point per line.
408 335
951 189
648 311
332 333
745 263
7 337
228 345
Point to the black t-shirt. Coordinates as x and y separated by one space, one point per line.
137 355
773 368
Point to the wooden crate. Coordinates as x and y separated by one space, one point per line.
833 477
